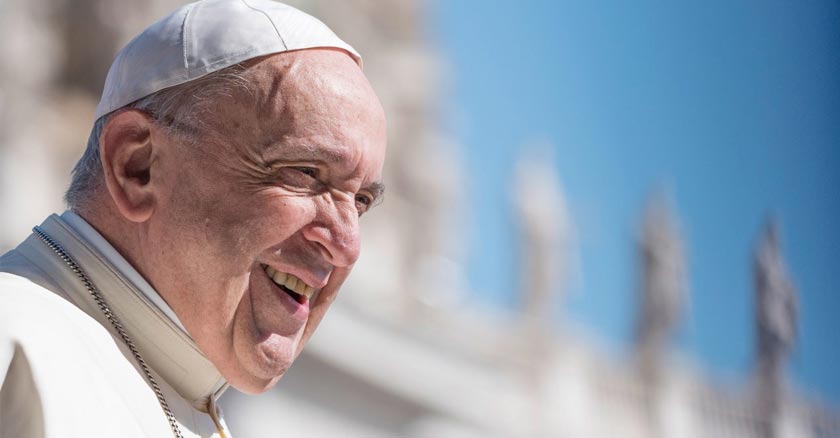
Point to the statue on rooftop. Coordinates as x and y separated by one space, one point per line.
663 282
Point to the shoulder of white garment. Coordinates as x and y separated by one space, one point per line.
62 373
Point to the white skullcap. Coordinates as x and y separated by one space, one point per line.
206 36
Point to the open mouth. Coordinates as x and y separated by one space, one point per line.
293 286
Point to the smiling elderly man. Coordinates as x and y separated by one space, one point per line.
211 222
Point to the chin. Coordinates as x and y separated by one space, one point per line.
267 362
250 383
253 385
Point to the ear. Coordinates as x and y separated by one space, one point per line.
127 155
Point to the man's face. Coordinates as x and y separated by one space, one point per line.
276 183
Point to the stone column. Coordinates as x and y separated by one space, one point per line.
662 291
545 234
776 321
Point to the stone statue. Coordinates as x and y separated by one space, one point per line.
776 301
663 281
545 232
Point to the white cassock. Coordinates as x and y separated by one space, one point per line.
64 370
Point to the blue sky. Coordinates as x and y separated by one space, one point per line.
733 107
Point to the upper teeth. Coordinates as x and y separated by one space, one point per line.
290 281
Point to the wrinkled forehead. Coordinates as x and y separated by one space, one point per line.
313 91
317 97
326 82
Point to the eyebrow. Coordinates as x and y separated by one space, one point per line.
377 190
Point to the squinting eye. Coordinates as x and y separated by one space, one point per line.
308 171
363 203
298 178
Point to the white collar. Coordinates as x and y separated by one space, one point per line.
169 350
94 239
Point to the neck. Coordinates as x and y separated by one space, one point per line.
102 215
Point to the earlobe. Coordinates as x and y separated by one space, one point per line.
127 155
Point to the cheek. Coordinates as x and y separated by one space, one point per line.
275 218
234 229
219 236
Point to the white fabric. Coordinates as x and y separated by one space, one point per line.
206 36
65 373
92 237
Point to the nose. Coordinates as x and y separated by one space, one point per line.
336 231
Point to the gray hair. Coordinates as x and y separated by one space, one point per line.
178 109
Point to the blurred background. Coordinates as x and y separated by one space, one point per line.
603 219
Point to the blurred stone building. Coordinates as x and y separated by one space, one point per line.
404 352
